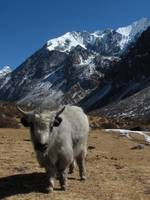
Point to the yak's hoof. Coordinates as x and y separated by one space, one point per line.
63 187
49 189
83 178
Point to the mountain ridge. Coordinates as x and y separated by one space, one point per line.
68 77
85 39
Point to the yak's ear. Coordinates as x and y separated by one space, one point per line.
57 121
25 121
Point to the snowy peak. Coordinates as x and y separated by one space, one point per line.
4 71
70 40
135 28
129 33
65 42
121 37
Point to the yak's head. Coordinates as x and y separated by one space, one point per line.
41 126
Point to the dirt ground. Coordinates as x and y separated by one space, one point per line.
115 172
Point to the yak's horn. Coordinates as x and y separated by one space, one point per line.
22 111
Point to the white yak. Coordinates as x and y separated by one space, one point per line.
59 137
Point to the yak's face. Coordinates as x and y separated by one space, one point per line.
41 126
40 131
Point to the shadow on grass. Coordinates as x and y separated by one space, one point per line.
22 184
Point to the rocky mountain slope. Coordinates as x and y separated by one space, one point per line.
72 68
134 77
135 108
128 76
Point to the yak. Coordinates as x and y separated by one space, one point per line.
59 138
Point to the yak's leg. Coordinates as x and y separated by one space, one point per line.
81 164
65 159
62 169
51 172
71 167
63 179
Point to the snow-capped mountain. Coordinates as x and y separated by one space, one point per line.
4 71
129 33
72 67
123 36
131 75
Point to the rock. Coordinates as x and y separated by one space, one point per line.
139 146
91 147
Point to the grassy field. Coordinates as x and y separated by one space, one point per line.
115 172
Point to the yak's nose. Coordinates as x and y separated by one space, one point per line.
41 147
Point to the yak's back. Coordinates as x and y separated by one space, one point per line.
77 119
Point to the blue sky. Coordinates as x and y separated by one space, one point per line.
25 25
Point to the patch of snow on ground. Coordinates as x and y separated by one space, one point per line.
132 134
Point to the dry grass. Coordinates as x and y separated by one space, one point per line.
115 172
99 122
